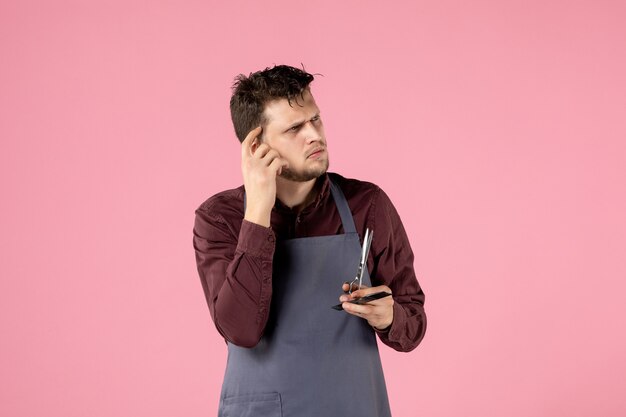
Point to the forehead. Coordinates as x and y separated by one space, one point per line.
280 112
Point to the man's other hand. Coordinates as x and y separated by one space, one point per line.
378 313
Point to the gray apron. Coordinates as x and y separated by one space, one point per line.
312 361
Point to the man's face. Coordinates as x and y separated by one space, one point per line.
296 132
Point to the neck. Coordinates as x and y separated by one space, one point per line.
296 195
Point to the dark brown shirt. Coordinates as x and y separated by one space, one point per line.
234 258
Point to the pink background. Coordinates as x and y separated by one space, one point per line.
498 128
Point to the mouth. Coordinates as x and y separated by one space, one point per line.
315 153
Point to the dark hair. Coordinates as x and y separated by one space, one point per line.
251 93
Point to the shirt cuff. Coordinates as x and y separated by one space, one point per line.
256 240
394 331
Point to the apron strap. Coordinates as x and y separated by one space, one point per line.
342 206
347 220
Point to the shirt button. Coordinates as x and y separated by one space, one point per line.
270 239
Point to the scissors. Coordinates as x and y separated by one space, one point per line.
355 284
365 250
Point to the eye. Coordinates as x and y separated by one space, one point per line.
294 129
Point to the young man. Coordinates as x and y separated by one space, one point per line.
274 255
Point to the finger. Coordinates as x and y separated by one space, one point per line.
346 286
261 151
351 285
282 167
277 164
355 284
369 290
246 145
384 302
363 311
360 292
270 156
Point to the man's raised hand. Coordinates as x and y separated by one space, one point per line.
260 165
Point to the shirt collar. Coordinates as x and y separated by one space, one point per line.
323 182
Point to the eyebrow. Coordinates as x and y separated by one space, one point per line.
301 122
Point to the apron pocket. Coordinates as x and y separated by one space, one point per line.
252 405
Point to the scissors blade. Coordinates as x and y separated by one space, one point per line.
365 250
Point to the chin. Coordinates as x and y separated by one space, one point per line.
304 175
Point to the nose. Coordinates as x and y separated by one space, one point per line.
312 133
